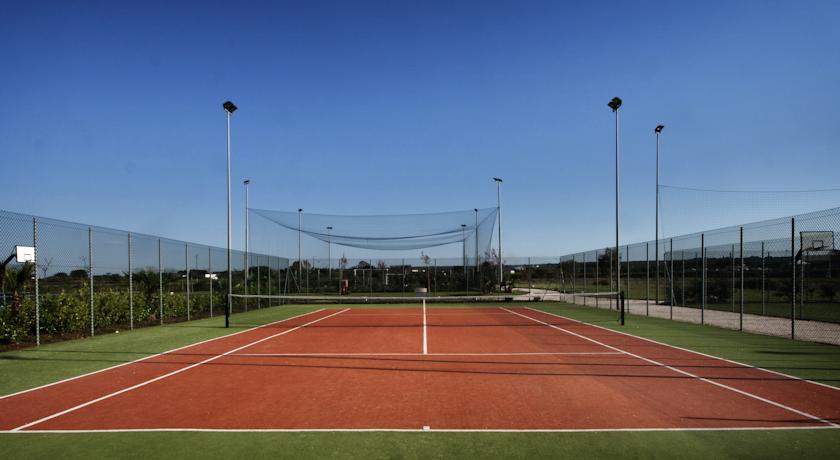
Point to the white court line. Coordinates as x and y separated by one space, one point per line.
69 379
425 340
178 371
782 374
338 355
686 373
412 430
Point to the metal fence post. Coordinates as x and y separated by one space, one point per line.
574 277
530 286
793 278
647 278
627 253
561 279
612 278
210 276
671 273
160 281
130 287
90 277
682 287
621 307
763 276
801 277
584 278
597 281
741 315
703 279
37 287
732 256
187 275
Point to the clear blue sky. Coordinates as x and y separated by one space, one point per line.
112 112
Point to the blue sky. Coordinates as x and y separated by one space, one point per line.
112 111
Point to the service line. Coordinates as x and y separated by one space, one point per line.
680 371
178 371
525 353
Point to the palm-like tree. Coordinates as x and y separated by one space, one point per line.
14 281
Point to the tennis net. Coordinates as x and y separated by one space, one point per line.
262 301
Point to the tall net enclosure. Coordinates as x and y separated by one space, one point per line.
684 209
446 252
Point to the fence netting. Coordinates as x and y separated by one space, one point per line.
87 280
777 277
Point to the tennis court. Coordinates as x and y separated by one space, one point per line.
417 368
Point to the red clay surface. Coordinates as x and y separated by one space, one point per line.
486 368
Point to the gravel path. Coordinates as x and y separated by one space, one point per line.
811 331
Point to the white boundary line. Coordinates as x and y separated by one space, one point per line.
686 373
782 374
153 355
413 430
425 340
526 353
178 371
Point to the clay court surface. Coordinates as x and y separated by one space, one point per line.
491 368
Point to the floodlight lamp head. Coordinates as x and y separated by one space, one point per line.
246 181
497 179
615 103
659 129
229 107
300 210
329 227
476 209
463 225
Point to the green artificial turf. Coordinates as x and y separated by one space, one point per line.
701 445
32 367
35 366
813 361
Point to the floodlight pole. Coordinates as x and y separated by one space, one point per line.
658 131
329 252
614 104
229 109
246 182
499 211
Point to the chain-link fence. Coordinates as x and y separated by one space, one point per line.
778 277
86 280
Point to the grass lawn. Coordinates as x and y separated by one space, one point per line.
705 445
31 367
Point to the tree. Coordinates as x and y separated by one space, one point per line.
425 258
14 281
149 280
44 265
